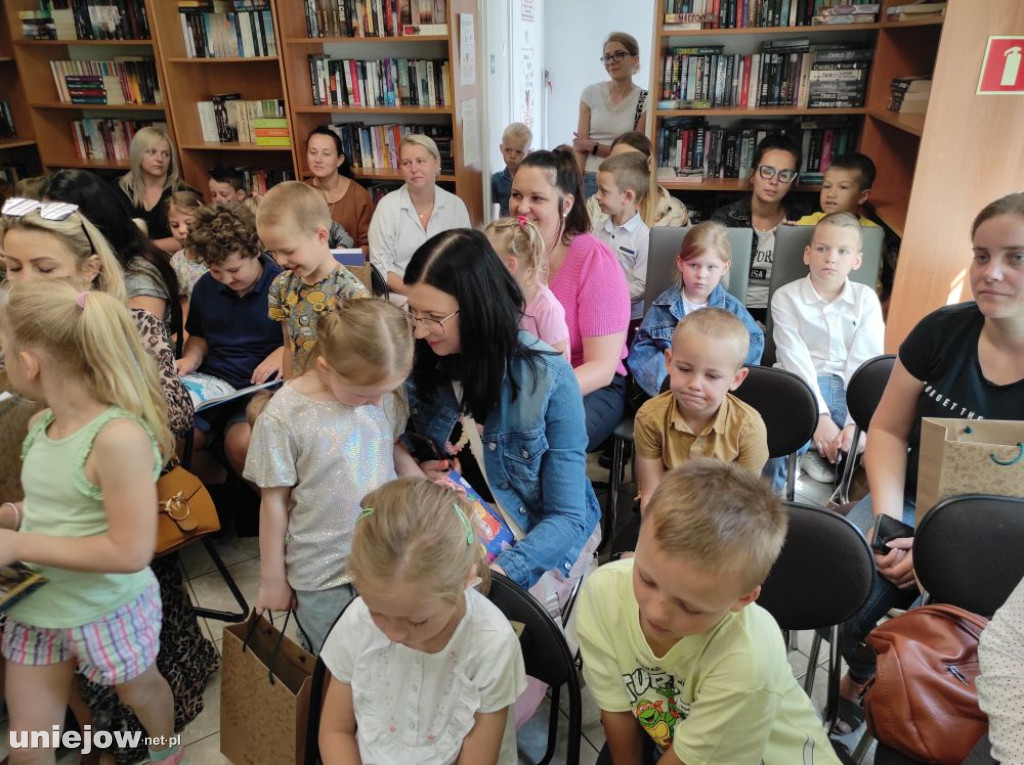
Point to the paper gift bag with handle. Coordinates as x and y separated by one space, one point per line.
264 694
969 457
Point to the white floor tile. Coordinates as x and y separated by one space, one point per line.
208 722
197 561
205 752
210 591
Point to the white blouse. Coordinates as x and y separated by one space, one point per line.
1001 682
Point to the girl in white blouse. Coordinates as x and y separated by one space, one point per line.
423 667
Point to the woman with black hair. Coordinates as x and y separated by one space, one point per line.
506 405
350 204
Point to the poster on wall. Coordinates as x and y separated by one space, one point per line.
527 65
467 48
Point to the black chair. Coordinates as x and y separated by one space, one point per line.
862 397
822 578
788 408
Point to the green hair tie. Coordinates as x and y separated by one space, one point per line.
470 536
366 513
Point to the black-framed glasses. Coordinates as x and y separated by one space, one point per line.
19 207
429 325
785 176
617 56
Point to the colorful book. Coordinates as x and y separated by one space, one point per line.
16 582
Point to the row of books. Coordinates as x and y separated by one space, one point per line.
915 11
7 121
376 18
741 14
226 118
383 82
258 180
86 20
106 139
124 80
228 34
689 149
909 95
785 73
376 146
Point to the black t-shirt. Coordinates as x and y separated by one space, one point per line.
942 352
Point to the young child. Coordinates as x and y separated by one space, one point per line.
519 244
846 186
825 327
698 416
773 174
88 520
226 185
676 653
704 260
181 214
515 144
424 668
622 182
294 224
230 335
325 439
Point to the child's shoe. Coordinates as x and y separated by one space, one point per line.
173 756
818 468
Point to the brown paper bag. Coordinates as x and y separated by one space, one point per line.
264 694
969 457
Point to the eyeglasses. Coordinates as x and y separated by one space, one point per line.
617 56
19 207
768 172
431 326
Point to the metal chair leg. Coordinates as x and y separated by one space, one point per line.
849 467
225 616
812 663
791 478
614 486
862 747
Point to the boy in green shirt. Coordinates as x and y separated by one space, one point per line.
674 645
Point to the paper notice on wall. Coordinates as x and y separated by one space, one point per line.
467 49
470 134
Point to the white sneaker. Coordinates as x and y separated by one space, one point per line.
817 468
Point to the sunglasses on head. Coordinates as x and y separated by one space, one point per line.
19 207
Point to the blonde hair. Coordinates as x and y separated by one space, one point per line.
366 341
145 139
630 172
719 516
186 200
517 130
295 202
717 324
90 336
418 139
520 239
414 531
31 188
83 239
841 220
706 237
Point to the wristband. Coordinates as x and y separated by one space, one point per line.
593 152
17 514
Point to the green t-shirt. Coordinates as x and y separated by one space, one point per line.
727 695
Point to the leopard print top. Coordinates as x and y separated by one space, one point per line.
179 405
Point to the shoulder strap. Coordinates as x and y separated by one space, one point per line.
40 425
640 106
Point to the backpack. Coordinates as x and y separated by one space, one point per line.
923 701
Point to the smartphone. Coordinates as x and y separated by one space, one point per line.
422 448
887 529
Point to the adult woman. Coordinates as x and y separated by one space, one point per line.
963 360
609 109
408 216
587 280
153 177
350 204
510 410
658 208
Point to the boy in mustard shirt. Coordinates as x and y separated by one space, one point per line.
674 645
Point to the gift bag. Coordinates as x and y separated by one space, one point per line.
969 457
264 694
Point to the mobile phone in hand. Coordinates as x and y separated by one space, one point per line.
887 529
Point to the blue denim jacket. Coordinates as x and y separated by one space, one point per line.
647 356
535 460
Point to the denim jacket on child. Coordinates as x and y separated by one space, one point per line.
647 356
534 458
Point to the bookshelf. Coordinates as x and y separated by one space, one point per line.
297 46
21 150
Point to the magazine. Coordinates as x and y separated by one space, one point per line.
208 391
17 581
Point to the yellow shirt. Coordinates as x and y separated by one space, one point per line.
724 697
813 218
737 434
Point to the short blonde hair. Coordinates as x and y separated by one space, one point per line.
717 324
418 139
706 237
145 139
413 531
630 172
522 240
517 131
721 517
185 200
366 340
841 220
295 202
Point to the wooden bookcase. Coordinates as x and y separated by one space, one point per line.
21 150
297 46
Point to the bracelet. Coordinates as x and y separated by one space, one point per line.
593 152
17 514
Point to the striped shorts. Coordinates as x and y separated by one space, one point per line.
111 650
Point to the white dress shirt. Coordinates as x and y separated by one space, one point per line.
814 336
396 231
1001 683
630 243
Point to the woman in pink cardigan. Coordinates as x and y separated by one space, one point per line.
585 277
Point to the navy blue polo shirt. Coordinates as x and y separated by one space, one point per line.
237 330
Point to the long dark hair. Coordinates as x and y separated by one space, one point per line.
462 263
101 204
345 168
561 163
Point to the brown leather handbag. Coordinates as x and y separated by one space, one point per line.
186 510
923 701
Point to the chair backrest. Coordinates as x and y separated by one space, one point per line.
967 551
866 387
662 272
785 403
823 575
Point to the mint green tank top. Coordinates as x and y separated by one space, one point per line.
61 502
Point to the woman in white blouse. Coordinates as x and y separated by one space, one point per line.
609 109
407 217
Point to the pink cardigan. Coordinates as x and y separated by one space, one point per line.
591 286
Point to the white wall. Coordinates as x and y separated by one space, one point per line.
497 74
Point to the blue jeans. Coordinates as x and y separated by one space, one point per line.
589 186
604 409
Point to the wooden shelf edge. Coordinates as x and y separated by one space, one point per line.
347 40
908 123
665 31
211 146
345 110
16 143
100 107
29 43
772 111
220 60
928 22
386 174
893 214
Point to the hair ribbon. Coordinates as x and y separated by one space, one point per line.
470 536
80 300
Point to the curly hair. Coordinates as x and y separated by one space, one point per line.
219 231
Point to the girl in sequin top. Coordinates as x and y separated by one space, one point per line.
326 439
423 667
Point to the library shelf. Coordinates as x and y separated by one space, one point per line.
221 59
771 111
366 40
908 123
391 174
99 107
231 146
927 22
352 110
139 42
90 164
668 31
16 143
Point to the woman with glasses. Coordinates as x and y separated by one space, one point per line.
608 109
775 169
407 217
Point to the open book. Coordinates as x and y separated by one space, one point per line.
17 581
208 391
